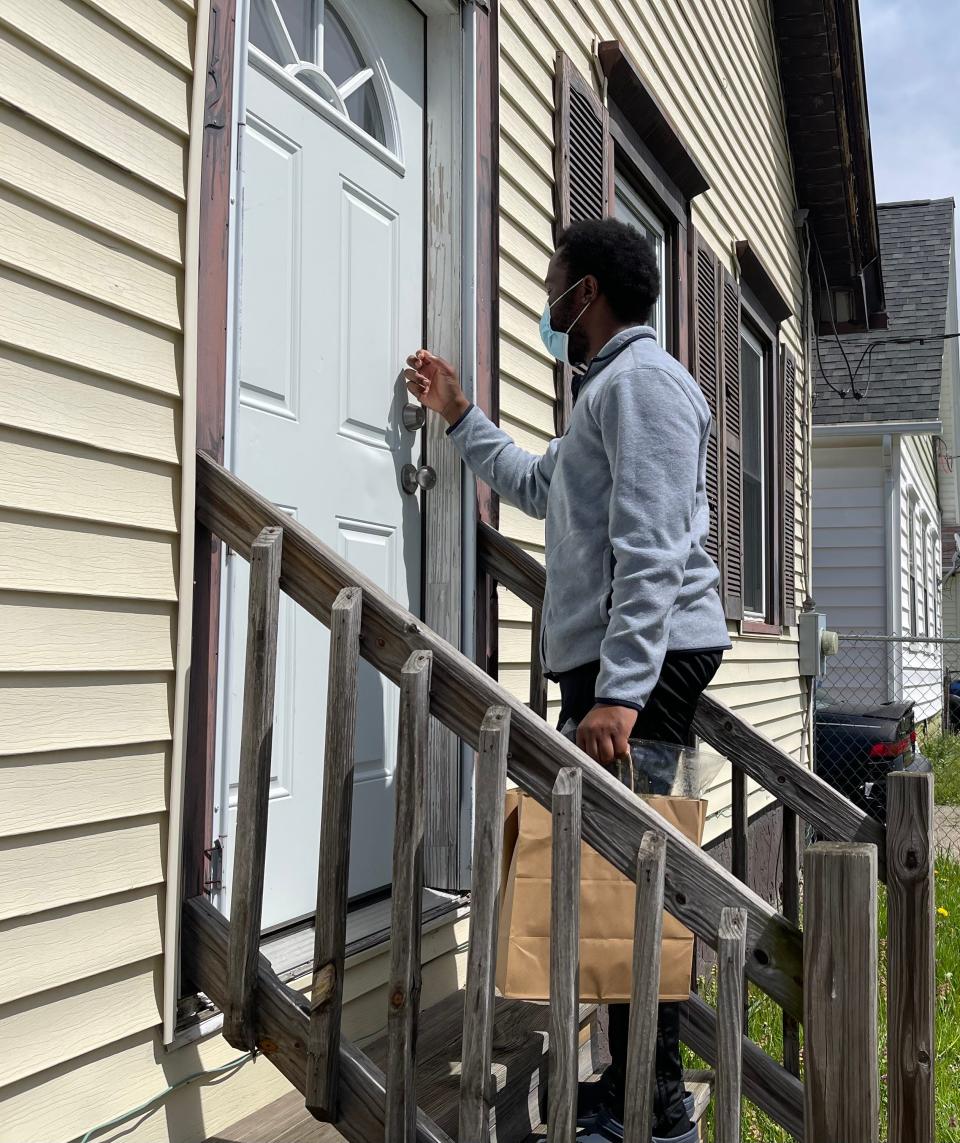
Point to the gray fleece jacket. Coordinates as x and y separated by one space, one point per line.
624 496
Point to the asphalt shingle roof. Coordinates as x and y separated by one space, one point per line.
899 382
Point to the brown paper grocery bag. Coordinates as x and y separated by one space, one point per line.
607 906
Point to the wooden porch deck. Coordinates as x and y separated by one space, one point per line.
519 1071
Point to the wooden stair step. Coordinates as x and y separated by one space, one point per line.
519 1076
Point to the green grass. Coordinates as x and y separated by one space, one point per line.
765 1020
943 750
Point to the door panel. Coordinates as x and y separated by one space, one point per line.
330 298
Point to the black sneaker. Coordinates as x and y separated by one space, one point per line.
592 1097
609 1129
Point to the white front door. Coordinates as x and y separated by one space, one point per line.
330 301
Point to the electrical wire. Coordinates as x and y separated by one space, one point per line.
833 316
874 341
893 339
148 1104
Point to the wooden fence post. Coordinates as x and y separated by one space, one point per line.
840 993
565 957
645 988
406 907
326 995
731 952
479 993
253 793
911 964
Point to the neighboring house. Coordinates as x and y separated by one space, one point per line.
950 596
886 432
220 238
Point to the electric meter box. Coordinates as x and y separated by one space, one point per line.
816 643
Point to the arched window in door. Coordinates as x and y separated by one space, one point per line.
314 41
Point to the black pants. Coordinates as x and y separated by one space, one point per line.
666 717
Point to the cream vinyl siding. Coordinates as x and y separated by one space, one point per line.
93 133
712 64
93 144
102 1083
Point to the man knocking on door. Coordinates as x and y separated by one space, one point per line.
633 628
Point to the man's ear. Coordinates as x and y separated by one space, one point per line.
591 288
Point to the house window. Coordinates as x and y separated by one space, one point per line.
754 404
924 620
631 207
935 584
929 580
912 568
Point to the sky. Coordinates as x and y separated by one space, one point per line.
912 54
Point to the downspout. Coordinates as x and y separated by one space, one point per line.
891 526
468 369
188 447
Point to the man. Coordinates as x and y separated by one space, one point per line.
633 630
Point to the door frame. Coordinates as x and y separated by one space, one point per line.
452 206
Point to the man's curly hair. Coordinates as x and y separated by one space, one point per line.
620 258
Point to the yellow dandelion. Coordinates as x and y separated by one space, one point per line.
943 912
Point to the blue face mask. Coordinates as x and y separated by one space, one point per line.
557 342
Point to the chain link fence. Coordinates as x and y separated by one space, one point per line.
888 702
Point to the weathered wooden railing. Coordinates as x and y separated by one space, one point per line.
841 1021
305 1041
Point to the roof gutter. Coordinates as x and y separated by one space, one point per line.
877 429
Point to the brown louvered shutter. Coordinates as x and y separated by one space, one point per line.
705 356
732 558
788 451
581 168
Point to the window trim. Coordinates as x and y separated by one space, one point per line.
650 118
751 332
935 577
766 329
632 161
925 571
914 594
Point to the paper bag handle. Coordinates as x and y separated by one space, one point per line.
624 772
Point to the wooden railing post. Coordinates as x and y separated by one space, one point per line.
326 995
911 964
479 993
840 993
791 910
739 825
565 957
538 683
731 951
253 794
645 988
740 836
406 906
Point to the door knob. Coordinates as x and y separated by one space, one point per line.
414 417
412 478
